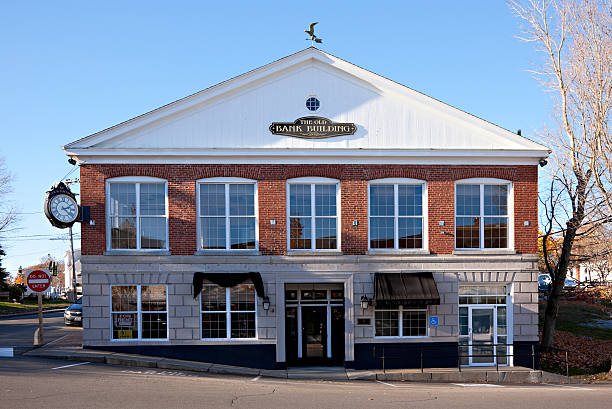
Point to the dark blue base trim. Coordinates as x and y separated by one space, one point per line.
253 356
524 355
404 355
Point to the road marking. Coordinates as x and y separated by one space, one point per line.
486 385
68 366
59 339
395 386
256 378
6 352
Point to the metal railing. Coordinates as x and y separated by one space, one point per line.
463 354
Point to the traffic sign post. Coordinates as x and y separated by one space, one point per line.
39 281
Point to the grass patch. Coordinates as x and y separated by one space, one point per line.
9 307
572 314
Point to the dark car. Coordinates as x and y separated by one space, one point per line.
73 314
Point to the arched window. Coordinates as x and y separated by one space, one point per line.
312 213
482 214
137 213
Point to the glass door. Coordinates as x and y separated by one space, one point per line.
314 333
482 335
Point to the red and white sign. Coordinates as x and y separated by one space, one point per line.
38 281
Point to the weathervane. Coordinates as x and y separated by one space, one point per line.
312 35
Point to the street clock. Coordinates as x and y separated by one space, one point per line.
61 207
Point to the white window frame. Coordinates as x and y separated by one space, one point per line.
401 310
312 181
425 214
226 181
139 312
482 182
228 316
137 180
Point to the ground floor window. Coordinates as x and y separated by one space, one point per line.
139 312
228 313
400 322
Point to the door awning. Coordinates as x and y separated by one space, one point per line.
408 289
227 280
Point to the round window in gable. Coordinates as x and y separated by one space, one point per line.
312 104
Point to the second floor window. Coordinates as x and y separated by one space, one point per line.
137 215
481 216
313 216
227 218
396 216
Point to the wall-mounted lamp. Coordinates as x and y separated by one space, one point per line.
441 222
526 223
273 222
365 302
355 222
266 303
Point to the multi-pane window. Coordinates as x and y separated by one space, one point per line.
396 216
137 215
313 216
227 218
139 312
400 322
228 313
481 216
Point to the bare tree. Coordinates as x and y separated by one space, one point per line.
573 39
7 213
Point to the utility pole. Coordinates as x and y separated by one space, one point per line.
74 281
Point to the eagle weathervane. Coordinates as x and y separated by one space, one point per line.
312 35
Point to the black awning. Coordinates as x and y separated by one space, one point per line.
408 289
227 280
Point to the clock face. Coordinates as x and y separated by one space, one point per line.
64 208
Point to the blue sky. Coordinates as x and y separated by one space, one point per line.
71 68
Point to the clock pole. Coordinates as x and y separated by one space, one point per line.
74 291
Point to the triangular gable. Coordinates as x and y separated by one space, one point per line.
234 116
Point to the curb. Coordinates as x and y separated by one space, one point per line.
34 312
491 377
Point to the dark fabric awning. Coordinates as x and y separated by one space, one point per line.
227 280
408 289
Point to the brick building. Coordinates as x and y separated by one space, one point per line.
311 212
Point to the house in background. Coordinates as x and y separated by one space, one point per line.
311 212
77 271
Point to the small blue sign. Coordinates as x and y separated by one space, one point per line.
433 320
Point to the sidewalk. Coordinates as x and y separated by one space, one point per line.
68 348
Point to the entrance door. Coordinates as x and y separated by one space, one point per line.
314 324
314 334
482 335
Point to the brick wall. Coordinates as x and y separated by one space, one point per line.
272 196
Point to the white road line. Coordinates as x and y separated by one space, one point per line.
59 339
68 366
256 378
395 386
486 385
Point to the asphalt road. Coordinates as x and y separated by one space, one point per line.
19 331
40 383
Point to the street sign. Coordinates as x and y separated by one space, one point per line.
38 281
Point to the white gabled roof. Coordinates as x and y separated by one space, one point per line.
229 123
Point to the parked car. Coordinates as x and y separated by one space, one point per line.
544 282
570 284
73 314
